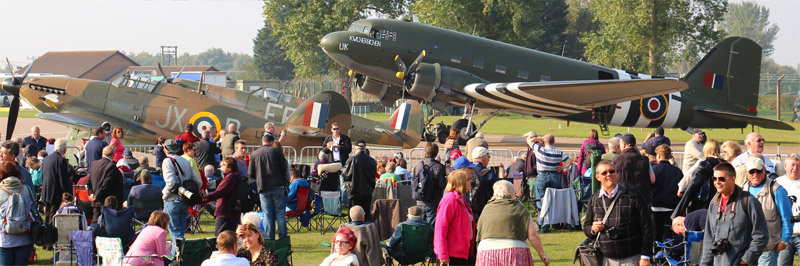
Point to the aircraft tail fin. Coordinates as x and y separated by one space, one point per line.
408 119
727 77
315 116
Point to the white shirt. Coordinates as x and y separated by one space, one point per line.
347 260
742 158
793 189
336 156
226 260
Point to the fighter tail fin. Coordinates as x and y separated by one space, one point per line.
727 77
407 120
316 115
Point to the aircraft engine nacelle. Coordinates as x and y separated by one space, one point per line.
440 85
371 86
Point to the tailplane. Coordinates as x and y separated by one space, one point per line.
405 124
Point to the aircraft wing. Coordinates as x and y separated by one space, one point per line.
559 97
90 121
753 120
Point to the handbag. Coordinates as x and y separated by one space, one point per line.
589 254
43 234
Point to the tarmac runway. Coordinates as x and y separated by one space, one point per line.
55 130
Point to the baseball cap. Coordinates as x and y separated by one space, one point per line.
754 163
361 143
127 153
628 138
462 162
480 151
454 154
531 134
697 131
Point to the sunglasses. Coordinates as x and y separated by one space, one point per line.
609 172
335 128
755 171
718 178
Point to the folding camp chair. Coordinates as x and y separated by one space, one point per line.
143 209
117 224
416 244
282 248
384 189
65 223
386 215
684 253
332 207
302 206
83 246
194 251
193 223
81 193
404 194
109 250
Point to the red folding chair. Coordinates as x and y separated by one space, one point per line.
81 193
302 205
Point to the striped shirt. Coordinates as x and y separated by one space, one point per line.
548 158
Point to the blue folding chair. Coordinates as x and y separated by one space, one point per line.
684 253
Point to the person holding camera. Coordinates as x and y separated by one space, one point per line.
621 219
776 206
176 169
736 230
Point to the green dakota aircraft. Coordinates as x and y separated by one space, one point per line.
453 68
147 109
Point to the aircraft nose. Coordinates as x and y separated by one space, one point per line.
329 42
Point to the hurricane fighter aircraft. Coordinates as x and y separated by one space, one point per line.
147 109
453 68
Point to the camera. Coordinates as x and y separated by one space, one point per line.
796 218
613 232
720 246
185 192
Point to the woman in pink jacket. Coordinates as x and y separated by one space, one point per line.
151 241
454 235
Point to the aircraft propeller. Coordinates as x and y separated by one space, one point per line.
12 87
164 74
404 72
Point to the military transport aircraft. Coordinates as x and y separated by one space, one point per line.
453 68
147 109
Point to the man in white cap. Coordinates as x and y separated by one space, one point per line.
776 206
483 179
475 142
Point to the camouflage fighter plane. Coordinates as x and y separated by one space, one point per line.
147 109
453 68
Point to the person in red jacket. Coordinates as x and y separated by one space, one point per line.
227 216
187 136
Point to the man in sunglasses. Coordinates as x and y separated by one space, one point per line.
776 206
736 231
339 144
626 233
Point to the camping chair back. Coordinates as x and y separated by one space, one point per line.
65 223
695 245
404 194
158 180
383 189
331 202
81 193
144 208
195 251
416 243
110 250
83 245
118 223
282 248
302 203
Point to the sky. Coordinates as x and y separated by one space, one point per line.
195 26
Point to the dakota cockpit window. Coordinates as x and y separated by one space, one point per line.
455 58
478 63
522 74
356 28
500 69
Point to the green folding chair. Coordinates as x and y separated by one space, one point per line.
282 248
417 246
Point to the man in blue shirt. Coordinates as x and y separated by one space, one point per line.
94 147
776 206
146 192
297 182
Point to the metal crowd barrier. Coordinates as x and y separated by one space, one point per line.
309 154
677 156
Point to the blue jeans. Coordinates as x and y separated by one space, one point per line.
769 258
16 255
430 212
273 203
786 256
178 215
545 180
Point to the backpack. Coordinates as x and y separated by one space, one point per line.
17 218
423 183
587 153
245 198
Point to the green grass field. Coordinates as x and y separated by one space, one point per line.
514 124
22 113
307 250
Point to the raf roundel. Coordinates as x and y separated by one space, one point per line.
204 121
654 108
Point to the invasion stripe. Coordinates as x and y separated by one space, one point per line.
490 95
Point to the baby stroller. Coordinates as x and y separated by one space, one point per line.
683 253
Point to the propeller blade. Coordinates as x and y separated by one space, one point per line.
13 112
401 66
10 69
27 70
415 64
180 72
160 69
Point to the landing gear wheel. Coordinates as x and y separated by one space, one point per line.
461 125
